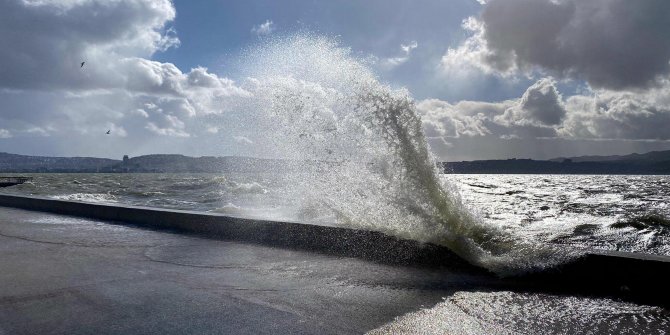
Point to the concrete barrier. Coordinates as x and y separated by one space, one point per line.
631 276
331 240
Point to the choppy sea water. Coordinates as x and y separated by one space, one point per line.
498 313
627 213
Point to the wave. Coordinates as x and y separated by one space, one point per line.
247 188
87 197
649 221
313 101
229 208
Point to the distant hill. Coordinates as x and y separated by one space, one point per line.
21 163
207 164
148 163
653 156
656 162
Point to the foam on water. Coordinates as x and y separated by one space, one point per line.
87 197
529 313
370 166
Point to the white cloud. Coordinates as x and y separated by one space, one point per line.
141 112
4 133
606 114
442 119
37 131
265 28
407 48
46 54
541 105
473 56
536 114
242 140
390 63
46 92
166 131
543 113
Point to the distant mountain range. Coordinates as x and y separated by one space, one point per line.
140 164
653 156
21 163
655 162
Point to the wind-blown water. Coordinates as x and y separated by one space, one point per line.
313 101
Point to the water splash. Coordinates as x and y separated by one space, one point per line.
363 153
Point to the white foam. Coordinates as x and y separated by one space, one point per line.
527 313
87 197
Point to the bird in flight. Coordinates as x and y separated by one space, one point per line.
82 64
109 131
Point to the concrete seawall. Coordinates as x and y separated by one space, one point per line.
635 277
331 240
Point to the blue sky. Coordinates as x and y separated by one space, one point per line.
490 78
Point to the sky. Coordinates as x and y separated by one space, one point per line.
490 79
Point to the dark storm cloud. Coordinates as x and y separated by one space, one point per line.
615 44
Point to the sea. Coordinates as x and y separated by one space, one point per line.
618 212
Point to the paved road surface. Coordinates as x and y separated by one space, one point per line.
66 275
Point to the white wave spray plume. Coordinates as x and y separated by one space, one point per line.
364 156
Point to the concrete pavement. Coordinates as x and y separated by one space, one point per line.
71 275
67 275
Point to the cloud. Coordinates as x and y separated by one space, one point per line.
45 91
242 140
4 133
541 104
606 114
619 49
542 113
536 114
42 43
474 56
265 28
443 120
390 63
167 131
611 44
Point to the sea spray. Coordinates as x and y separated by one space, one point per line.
362 152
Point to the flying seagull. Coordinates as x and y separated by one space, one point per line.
108 132
82 64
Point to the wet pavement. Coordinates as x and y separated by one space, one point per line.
67 275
